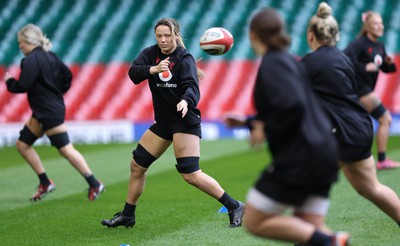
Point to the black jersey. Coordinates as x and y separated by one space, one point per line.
299 134
45 78
169 88
362 51
332 79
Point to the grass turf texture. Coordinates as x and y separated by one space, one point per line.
170 212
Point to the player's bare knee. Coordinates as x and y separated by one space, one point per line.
385 119
251 226
190 178
66 151
136 169
21 146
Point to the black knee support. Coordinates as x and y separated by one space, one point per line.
26 136
378 111
143 157
187 164
59 140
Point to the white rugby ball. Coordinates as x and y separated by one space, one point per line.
216 41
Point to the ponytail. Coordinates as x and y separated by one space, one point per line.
33 34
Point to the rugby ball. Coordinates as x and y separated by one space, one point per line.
216 41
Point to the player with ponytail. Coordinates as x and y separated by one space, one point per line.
45 79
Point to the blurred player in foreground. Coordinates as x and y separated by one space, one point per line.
333 81
303 149
369 57
45 79
172 76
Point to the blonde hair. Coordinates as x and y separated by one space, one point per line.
175 29
366 18
324 25
32 34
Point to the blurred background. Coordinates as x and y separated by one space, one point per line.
99 38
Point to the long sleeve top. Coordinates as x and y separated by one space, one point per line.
170 87
362 51
332 79
299 134
45 78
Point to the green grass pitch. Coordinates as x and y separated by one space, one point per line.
170 212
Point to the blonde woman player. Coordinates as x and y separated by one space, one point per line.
369 57
45 78
333 81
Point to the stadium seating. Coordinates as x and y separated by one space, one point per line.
99 39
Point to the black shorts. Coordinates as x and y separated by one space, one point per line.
352 153
290 194
48 123
167 132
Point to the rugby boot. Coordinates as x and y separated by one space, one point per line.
235 216
120 220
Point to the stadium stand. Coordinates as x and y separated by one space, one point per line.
99 39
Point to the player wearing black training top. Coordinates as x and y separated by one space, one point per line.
45 79
172 76
369 57
332 79
170 87
304 152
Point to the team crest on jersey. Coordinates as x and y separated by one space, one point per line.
165 76
378 60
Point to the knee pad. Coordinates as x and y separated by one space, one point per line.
187 164
143 157
378 111
26 136
59 140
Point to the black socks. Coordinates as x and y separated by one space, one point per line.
228 202
381 156
43 179
129 210
319 238
92 181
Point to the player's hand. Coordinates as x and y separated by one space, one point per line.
232 120
371 67
388 60
257 134
163 65
183 107
7 76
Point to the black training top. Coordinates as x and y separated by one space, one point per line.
332 79
299 134
362 51
169 88
45 78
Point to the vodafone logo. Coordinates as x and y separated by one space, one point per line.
378 60
165 76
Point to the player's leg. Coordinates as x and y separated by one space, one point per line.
187 153
374 106
314 210
28 135
58 135
263 217
149 148
362 176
